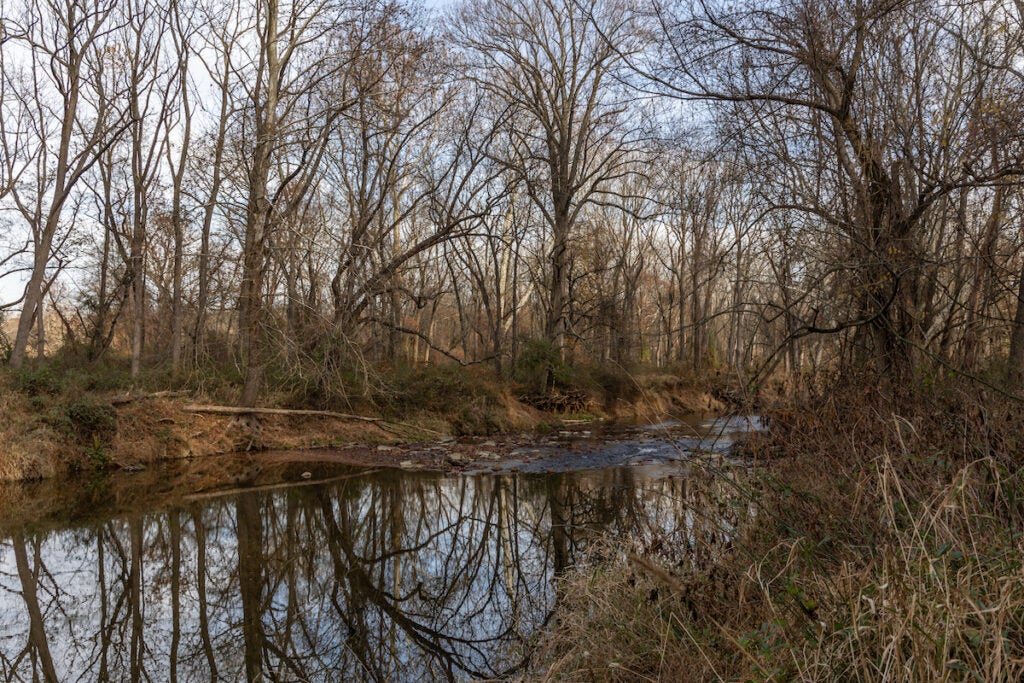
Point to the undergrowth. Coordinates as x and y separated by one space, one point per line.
886 543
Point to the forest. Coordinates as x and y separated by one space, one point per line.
390 210
317 188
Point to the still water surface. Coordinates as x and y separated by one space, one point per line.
383 575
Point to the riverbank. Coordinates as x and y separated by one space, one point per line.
886 541
593 449
56 421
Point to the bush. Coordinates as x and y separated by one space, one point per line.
67 374
109 374
611 380
91 422
97 455
43 380
467 397
533 364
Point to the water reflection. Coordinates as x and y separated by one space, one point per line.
382 577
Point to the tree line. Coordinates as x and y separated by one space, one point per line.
322 186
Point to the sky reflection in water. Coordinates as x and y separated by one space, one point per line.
385 576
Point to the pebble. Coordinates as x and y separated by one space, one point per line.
307 475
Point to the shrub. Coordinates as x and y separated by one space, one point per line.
97 454
91 422
43 379
534 362
611 380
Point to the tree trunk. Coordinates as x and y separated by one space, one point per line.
251 310
1016 360
32 306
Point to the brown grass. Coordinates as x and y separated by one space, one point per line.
28 448
888 544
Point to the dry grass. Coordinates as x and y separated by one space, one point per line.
28 449
888 545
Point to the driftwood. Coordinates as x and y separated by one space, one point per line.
235 410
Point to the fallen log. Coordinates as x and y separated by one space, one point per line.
236 410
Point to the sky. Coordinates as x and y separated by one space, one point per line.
12 285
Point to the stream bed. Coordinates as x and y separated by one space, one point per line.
331 571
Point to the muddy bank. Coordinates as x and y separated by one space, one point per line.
654 451
65 435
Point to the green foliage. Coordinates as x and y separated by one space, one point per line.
44 379
97 454
90 420
220 383
609 381
67 375
612 381
536 362
109 374
468 398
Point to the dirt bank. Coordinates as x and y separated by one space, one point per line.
46 435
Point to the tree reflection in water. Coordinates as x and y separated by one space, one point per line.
379 577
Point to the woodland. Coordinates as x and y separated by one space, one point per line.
312 190
812 210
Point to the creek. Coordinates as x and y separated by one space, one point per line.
375 574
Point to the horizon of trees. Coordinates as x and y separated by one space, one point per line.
319 186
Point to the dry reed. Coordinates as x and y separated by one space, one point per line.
888 545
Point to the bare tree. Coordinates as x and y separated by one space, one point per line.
152 90
298 54
550 65
867 106
182 30
68 118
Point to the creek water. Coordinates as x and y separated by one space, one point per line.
370 574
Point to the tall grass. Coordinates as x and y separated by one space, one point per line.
887 545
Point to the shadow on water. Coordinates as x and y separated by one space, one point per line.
377 576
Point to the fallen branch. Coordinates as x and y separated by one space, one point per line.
235 410
129 398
